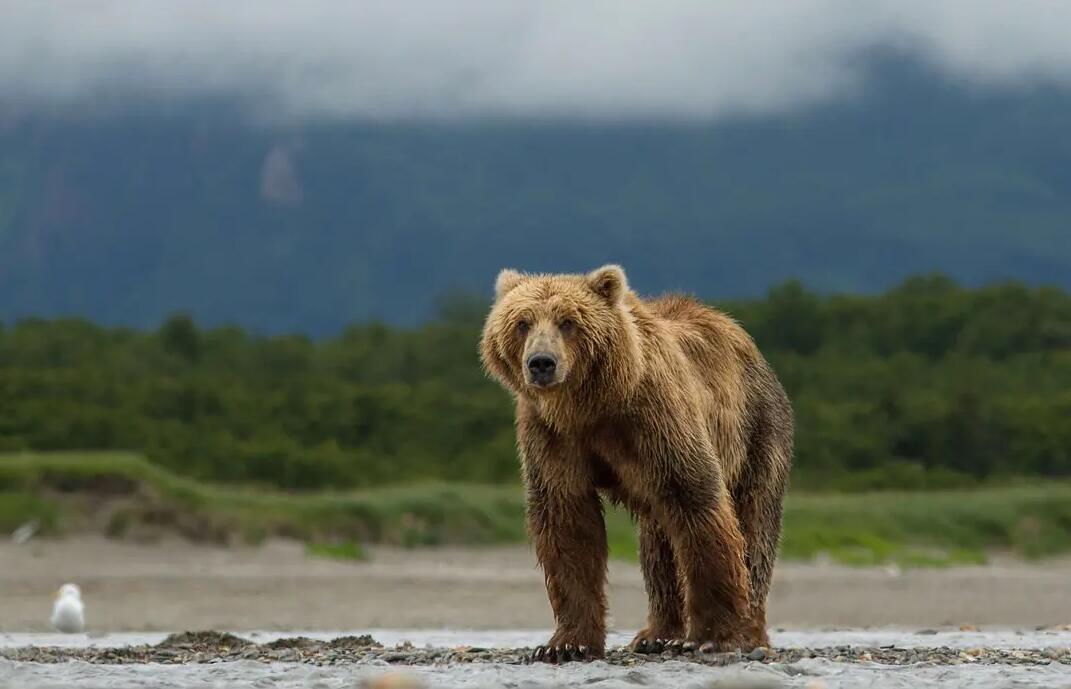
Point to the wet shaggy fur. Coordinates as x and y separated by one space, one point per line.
666 407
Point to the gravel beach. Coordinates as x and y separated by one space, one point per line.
211 647
468 617
885 659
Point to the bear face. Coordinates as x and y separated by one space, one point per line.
554 334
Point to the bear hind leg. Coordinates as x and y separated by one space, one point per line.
759 506
709 551
665 602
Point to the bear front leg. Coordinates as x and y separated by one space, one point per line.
709 551
565 523
665 604
570 542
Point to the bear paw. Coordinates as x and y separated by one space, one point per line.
653 639
642 644
687 646
754 636
566 646
563 653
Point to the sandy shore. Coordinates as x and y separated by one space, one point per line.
176 586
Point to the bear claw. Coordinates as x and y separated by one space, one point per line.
560 654
682 646
648 646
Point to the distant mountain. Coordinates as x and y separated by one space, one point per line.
125 218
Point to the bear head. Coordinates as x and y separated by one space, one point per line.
552 335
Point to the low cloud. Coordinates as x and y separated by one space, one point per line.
561 58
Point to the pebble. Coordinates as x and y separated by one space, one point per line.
217 647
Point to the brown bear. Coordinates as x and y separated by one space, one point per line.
666 407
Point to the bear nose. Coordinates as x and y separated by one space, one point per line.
541 366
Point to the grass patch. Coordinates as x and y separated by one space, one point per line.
133 492
621 535
1033 521
933 528
923 529
17 509
346 550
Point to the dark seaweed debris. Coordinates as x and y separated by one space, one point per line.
210 647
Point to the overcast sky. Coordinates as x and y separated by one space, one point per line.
612 58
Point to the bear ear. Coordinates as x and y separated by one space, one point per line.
609 282
507 280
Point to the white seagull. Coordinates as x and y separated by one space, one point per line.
68 613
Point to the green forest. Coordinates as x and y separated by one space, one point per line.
930 385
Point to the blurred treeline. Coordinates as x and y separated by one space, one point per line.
928 385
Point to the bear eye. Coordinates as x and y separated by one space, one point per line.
567 325
522 327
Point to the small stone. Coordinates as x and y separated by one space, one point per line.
757 654
967 627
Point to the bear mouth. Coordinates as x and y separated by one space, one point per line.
543 384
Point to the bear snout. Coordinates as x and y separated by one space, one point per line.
541 369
